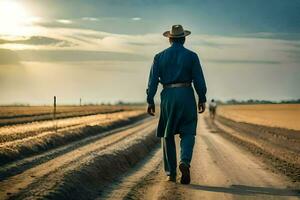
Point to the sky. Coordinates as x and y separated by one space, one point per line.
102 50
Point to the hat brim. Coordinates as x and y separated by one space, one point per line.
169 35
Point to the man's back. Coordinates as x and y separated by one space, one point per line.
213 105
175 64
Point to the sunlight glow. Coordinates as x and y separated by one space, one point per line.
15 19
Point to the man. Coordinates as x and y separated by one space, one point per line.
176 68
212 109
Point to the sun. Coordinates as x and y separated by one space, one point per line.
14 18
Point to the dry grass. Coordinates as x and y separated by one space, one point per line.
273 115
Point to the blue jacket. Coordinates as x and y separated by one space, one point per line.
176 64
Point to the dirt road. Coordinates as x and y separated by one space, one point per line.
126 163
220 170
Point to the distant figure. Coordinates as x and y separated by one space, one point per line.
176 68
212 109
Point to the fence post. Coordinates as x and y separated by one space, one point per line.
54 108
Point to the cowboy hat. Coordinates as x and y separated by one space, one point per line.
177 31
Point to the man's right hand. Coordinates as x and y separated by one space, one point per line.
151 109
201 107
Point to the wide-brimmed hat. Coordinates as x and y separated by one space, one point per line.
177 31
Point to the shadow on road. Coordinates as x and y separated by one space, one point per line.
247 190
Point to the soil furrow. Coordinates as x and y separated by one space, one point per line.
47 141
24 164
18 132
45 176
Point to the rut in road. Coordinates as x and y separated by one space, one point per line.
43 179
220 170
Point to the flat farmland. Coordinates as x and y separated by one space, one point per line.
112 153
10 115
270 131
274 115
42 156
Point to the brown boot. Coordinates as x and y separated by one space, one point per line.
185 173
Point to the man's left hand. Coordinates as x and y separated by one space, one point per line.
201 107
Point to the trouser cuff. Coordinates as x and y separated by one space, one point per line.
185 162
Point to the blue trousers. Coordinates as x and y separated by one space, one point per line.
187 142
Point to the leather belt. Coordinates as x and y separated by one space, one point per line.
174 85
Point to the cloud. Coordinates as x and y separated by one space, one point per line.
136 18
210 48
90 19
76 55
214 44
242 50
64 21
8 57
38 40
269 35
55 23
294 54
264 62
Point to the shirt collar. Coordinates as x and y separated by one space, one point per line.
177 44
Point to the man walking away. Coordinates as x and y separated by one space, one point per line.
176 68
212 109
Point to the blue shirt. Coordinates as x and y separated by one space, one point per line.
176 64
